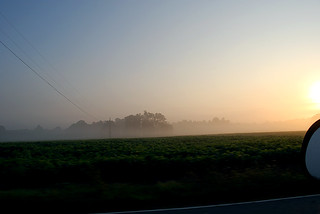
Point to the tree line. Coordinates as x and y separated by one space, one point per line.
144 124
138 125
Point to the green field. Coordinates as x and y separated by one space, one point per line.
146 173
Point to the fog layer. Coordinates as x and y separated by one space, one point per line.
149 125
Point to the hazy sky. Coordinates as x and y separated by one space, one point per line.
247 61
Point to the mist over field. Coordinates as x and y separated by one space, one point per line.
149 124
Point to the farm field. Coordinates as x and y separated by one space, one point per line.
132 174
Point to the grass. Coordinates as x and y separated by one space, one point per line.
147 173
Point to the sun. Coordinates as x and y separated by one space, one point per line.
315 92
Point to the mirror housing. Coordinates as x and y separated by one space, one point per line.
311 150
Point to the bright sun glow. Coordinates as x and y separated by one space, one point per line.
315 92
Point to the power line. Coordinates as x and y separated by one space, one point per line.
47 82
41 55
36 64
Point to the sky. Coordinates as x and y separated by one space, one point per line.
244 60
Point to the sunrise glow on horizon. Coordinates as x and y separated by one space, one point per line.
246 61
315 94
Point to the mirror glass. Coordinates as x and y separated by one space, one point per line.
311 150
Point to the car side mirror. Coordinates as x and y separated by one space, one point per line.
311 150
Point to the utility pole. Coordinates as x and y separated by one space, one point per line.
109 127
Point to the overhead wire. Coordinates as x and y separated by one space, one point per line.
26 55
40 54
47 82
42 57
38 66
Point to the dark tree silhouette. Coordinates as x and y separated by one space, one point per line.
81 124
